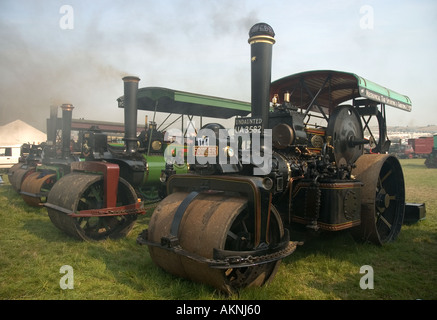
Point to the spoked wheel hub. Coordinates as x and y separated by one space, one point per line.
382 200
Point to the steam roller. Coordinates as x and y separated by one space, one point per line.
53 164
19 171
305 160
92 206
101 196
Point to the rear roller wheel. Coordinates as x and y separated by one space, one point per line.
76 192
383 198
212 221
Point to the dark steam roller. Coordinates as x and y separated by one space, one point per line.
78 191
211 221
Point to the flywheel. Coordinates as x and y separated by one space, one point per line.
346 132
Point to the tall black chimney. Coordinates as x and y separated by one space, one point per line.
130 113
261 40
67 111
51 126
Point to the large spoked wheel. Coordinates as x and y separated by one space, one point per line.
76 192
383 198
212 221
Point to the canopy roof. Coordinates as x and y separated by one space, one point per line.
335 88
172 101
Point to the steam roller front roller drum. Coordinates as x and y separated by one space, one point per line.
78 191
35 187
211 221
383 198
19 175
12 171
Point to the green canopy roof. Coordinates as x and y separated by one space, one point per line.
180 102
335 88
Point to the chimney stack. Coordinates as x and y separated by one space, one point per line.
261 40
130 113
67 111
51 126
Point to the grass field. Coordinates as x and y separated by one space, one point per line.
32 251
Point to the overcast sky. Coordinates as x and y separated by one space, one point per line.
201 46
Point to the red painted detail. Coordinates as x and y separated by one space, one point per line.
111 173
135 208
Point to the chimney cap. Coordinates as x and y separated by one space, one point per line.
261 29
131 79
67 106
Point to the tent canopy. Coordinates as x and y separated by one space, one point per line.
19 132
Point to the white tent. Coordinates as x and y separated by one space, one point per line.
19 132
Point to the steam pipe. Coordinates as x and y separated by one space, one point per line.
261 40
67 111
130 113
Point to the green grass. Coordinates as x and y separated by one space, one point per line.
327 267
